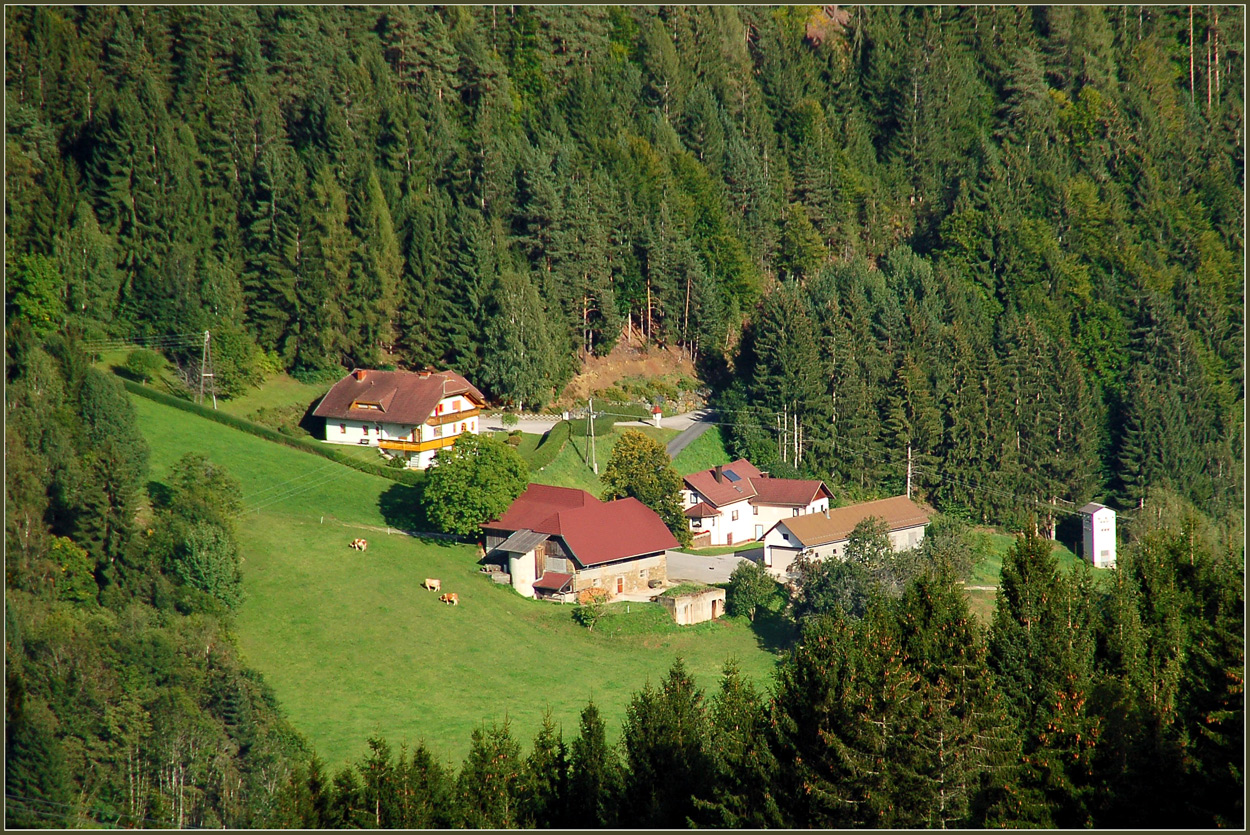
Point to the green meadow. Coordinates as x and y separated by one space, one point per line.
353 645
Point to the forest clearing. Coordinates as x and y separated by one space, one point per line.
353 646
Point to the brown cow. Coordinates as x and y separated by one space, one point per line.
359 544
433 585
452 598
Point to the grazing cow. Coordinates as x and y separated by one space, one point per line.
452 598
355 545
433 585
363 544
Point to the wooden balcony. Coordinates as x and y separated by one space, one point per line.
418 446
452 417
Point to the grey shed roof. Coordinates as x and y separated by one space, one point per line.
1094 507
522 542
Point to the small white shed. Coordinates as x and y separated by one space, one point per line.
1098 535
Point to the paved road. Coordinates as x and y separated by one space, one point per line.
541 424
707 569
694 430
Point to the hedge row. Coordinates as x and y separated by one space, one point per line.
603 425
410 477
550 446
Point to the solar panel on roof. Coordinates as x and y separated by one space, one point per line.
732 476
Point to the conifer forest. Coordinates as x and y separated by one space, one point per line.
1006 244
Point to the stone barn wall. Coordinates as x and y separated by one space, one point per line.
695 607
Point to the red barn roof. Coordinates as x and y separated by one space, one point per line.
405 397
595 532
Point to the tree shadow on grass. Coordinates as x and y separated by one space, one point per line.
401 507
160 494
774 632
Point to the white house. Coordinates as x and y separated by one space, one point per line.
1098 535
826 534
411 414
737 503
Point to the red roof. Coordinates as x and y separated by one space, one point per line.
614 531
788 491
538 507
701 511
552 581
753 486
595 532
406 397
726 491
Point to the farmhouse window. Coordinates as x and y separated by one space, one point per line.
642 573
755 510
342 428
696 523
464 426
796 512
438 431
734 516
438 410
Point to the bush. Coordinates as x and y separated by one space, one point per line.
513 440
143 364
508 419
396 462
549 447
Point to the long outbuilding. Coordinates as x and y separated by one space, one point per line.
826 534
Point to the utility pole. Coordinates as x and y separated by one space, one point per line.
909 469
206 370
590 430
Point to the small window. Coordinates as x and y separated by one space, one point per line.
755 510
464 426
796 512
596 582
696 523
642 574
342 428
438 410
734 516
786 537
438 431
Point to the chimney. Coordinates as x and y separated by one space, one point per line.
359 373
716 474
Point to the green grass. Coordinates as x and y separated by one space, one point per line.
989 571
704 452
352 645
571 468
717 550
281 392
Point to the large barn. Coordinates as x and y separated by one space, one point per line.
557 541
409 414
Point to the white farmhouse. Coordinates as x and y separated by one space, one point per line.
1098 535
411 414
826 534
737 503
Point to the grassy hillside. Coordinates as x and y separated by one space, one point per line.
571 468
705 451
352 644
988 572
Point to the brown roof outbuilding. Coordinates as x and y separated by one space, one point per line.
814 529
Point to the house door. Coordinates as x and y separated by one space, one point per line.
729 539
759 531
620 585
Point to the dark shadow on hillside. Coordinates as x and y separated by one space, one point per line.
401 507
314 426
160 494
774 632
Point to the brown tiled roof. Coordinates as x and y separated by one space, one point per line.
552 581
788 491
726 491
406 397
595 532
818 529
752 485
701 511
